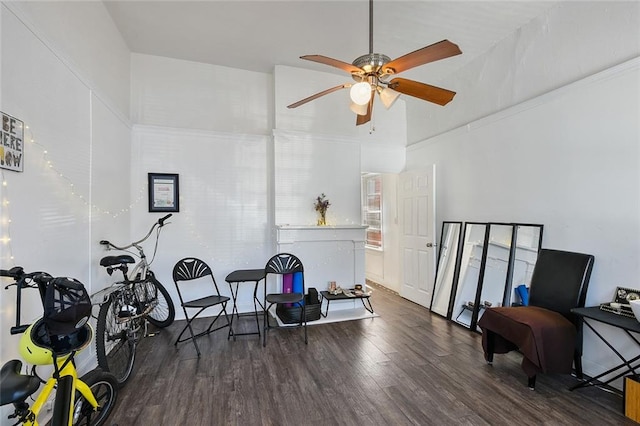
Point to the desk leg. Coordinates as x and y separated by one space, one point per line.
256 302
234 310
625 362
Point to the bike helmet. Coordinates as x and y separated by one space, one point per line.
37 346
63 327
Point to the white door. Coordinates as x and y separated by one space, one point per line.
417 204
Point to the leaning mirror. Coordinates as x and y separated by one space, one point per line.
496 267
474 239
446 267
528 240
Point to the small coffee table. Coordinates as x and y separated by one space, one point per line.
364 298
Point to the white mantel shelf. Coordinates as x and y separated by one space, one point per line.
288 234
328 253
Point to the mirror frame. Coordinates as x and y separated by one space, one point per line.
508 272
508 291
456 266
483 259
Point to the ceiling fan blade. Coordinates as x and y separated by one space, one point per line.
334 63
435 52
317 95
423 91
361 119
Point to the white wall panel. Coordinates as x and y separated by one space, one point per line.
83 36
223 200
190 95
49 201
110 177
307 166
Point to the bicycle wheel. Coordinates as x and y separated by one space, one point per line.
117 336
164 312
104 387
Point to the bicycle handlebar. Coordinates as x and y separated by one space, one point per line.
22 280
162 219
160 223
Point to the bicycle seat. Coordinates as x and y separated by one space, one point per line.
16 387
116 260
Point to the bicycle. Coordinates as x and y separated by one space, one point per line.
127 305
55 339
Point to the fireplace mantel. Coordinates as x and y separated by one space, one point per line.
328 253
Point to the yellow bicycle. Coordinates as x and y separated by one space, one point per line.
55 339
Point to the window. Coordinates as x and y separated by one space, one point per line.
372 209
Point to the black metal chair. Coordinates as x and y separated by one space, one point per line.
546 332
280 264
187 271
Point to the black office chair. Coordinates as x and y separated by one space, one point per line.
185 272
280 264
546 332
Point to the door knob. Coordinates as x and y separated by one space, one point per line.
431 244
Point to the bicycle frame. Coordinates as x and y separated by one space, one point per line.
67 384
140 271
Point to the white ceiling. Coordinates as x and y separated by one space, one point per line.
257 35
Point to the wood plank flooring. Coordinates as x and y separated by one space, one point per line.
406 367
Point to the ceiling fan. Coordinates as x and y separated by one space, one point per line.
373 70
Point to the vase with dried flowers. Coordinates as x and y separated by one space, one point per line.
321 205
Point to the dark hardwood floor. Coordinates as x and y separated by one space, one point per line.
406 367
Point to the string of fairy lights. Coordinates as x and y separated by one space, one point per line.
61 179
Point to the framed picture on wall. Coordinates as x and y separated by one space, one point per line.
164 192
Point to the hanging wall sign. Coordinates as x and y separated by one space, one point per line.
11 143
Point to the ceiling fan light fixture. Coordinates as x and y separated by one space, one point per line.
358 109
388 97
360 93
373 72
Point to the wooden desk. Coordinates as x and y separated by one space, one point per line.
628 325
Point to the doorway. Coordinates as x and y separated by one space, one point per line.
416 195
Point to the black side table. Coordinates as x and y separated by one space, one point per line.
364 298
628 325
243 276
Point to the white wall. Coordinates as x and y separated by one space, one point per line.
223 216
190 95
83 37
74 187
570 160
307 166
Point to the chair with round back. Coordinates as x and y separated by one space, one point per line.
193 270
282 264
